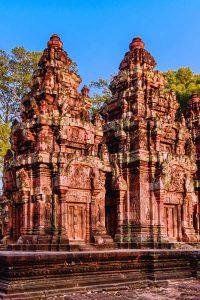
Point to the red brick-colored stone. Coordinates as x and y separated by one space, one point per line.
153 155
70 182
54 176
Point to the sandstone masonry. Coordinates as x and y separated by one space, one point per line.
129 179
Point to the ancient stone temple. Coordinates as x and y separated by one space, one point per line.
153 198
125 180
54 176
129 179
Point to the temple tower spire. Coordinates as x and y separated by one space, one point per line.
148 146
54 177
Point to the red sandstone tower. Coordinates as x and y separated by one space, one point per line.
193 120
54 176
68 184
151 199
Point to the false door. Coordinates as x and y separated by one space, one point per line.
77 222
171 220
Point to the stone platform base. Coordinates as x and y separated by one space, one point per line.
39 275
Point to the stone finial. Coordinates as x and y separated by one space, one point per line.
136 43
55 42
85 91
194 96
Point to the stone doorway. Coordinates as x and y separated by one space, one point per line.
111 224
195 219
171 220
77 222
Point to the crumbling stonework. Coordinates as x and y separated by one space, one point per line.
129 180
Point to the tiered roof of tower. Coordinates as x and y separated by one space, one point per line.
141 117
54 85
55 115
137 79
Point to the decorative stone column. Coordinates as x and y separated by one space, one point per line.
188 229
62 217
161 226
25 229
122 232
121 224
41 217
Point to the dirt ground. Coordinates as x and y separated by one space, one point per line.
182 290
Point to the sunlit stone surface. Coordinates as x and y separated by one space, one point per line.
151 197
129 179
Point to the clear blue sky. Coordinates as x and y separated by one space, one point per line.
96 34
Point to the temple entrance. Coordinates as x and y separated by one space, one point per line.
195 218
77 222
111 224
171 220
110 208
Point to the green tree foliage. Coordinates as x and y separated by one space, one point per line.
100 94
183 82
16 69
4 141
